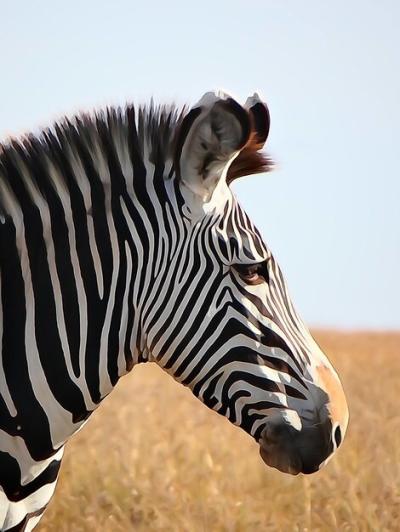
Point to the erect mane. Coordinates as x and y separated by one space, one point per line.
153 126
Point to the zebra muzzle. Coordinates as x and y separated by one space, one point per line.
295 450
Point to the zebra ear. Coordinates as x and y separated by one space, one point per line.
251 159
211 136
260 118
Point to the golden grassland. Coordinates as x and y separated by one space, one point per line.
154 458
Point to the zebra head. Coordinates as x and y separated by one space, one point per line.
225 326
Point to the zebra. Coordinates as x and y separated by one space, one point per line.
121 242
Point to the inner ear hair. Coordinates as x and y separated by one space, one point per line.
218 137
234 119
250 160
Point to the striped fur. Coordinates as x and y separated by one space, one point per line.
110 256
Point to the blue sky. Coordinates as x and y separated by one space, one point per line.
330 72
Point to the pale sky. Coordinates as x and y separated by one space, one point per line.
330 73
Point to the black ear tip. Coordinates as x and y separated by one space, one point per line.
261 121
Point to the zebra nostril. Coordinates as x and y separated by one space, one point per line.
338 436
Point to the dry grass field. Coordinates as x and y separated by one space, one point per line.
154 458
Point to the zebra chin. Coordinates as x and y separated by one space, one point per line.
293 448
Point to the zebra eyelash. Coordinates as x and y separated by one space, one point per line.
253 274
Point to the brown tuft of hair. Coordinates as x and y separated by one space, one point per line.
250 160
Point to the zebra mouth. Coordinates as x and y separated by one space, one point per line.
278 459
279 446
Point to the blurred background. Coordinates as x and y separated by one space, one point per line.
154 458
330 73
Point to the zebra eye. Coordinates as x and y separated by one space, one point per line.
253 273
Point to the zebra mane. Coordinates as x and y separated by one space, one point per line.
147 127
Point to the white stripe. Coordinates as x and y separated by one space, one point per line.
5 392
125 313
60 420
84 186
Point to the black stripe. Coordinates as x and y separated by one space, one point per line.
10 478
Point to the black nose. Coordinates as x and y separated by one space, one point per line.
307 469
296 451
315 446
